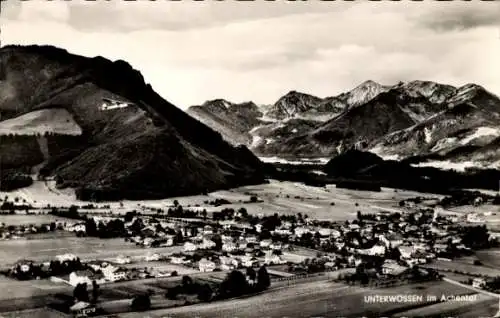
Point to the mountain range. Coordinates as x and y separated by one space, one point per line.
418 120
95 125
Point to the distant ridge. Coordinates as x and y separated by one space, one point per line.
408 120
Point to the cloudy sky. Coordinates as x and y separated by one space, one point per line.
194 51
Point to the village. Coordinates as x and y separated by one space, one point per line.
380 248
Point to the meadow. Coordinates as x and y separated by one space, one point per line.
464 267
327 203
86 248
20 219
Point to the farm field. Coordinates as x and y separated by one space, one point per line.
319 298
278 197
489 214
484 208
34 313
163 266
464 267
20 219
457 277
19 295
485 306
490 257
85 247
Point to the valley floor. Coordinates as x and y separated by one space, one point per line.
328 203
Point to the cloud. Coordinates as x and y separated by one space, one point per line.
194 51
461 16
181 15
35 11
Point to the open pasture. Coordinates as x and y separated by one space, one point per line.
464 267
24 219
327 203
86 248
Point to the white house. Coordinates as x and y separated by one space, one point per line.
66 257
335 233
420 246
286 224
207 229
82 309
95 266
190 247
148 241
478 282
227 224
227 267
276 246
168 240
81 277
271 258
474 218
265 243
330 265
391 240
405 251
299 231
456 240
392 268
353 260
249 261
258 228
152 257
77 227
354 227
206 266
282 231
374 250
242 244
251 239
123 260
113 273
440 247
25 266
177 260
228 263
229 247
339 245
207 244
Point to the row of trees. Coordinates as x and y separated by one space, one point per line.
80 293
369 275
55 268
235 284
477 237
111 229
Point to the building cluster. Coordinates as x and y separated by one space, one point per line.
229 240
68 268
10 232
402 241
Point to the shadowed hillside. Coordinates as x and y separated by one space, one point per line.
149 148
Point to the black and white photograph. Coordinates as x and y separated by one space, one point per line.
249 159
